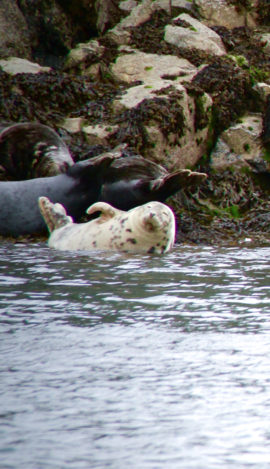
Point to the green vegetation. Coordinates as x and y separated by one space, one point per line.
266 155
246 147
256 74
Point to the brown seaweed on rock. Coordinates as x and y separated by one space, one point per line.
149 38
165 112
231 90
49 97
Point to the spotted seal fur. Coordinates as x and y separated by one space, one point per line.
148 228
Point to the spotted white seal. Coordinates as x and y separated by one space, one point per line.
147 228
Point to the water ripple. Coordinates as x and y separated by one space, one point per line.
110 360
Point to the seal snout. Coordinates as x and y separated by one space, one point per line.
155 221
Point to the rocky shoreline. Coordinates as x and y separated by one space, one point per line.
182 83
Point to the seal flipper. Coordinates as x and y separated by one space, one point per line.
107 211
93 167
168 185
55 215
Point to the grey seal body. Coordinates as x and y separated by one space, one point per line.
134 180
30 150
78 188
148 228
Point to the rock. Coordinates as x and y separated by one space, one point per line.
194 35
223 158
150 68
14 35
168 92
14 65
127 5
167 124
238 144
161 78
99 134
222 13
55 26
82 54
108 14
73 124
263 89
137 16
266 40
266 125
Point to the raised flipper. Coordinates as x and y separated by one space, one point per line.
107 211
171 183
55 215
133 180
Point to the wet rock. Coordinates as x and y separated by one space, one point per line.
148 68
190 33
14 35
138 15
15 65
99 134
83 55
263 90
265 38
223 13
73 124
239 144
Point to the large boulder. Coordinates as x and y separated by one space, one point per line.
15 65
239 145
173 124
190 33
224 13
14 35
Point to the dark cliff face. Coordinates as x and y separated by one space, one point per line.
14 34
56 26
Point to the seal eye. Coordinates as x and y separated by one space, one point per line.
148 225
152 222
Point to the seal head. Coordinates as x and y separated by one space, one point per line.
29 150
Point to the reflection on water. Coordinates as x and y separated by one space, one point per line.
115 361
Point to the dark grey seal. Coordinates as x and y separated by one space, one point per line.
132 180
76 189
29 150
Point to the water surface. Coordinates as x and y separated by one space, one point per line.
119 361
